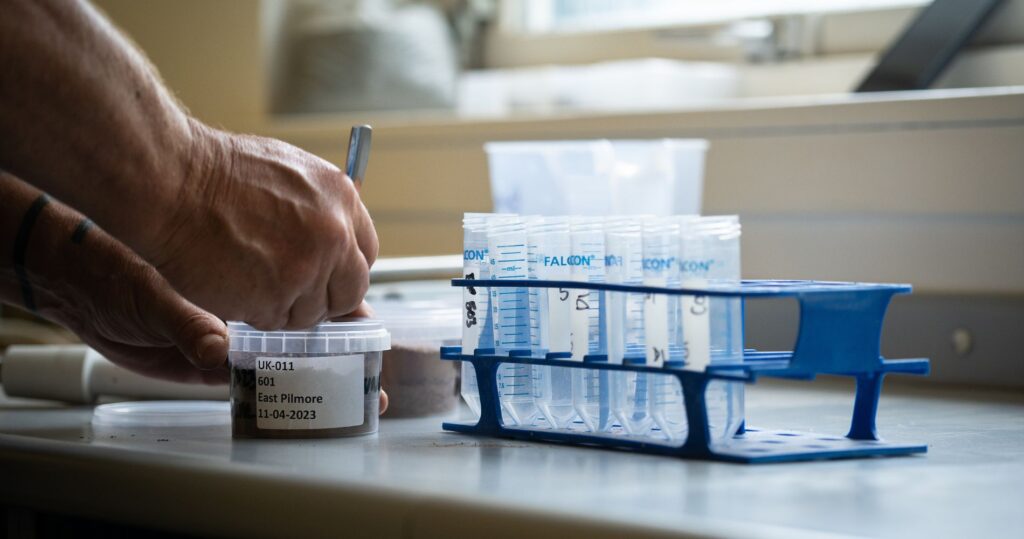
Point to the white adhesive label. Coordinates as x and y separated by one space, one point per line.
324 392
559 325
474 310
656 324
581 310
696 328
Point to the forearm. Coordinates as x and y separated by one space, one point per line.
84 117
43 254
53 262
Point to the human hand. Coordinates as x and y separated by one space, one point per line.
265 233
84 279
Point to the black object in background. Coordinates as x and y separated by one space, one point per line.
928 45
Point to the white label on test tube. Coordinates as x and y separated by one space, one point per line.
474 309
559 303
656 323
317 392
552 256
696 328
580 309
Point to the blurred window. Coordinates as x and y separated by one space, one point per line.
563 16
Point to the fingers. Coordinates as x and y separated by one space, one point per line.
364 310
366 233
348 283
345 285
199 336
307 311
362 223
383 401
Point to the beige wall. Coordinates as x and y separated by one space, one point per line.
210 53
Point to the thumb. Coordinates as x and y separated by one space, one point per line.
200 336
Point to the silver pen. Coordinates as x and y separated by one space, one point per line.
358 153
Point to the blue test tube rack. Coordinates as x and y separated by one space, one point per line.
839 334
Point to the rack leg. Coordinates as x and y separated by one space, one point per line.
490 405
698 439
865 406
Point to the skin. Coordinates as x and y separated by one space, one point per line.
116 302
193 221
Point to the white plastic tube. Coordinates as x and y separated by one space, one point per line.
476 311
552 258
713 327
660 247
510 312
624 311
588 334
78 374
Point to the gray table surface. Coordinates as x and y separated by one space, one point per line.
413 480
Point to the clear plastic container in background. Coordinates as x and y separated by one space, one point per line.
601 87
597 177
323 382
417 381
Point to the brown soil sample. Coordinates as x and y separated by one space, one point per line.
418 382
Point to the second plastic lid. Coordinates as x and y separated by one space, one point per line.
162 414
420 320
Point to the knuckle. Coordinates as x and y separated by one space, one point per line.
304 322
297 271
307 312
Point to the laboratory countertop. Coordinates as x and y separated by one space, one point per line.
414 480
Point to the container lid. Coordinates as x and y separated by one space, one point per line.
149 414
350 336
420 320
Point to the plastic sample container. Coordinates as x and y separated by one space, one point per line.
597 177
418 383
318 383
